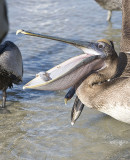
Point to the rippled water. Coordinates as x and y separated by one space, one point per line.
38 126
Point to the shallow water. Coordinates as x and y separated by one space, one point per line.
38 126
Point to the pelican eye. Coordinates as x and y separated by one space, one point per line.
101 45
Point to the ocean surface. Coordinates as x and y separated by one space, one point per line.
38 126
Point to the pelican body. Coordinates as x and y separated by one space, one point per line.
111 97
11 67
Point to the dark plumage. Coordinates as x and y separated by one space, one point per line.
4 24
11 67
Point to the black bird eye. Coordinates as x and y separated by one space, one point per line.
100 45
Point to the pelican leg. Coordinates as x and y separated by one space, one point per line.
4 98
109 15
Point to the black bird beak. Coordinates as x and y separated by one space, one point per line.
70 72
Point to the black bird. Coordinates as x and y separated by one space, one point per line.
110 5
11 67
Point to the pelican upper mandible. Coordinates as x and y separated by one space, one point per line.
100 77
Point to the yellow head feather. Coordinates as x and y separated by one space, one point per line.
105 40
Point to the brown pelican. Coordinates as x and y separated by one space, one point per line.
4 25
11 68
100 77
110 5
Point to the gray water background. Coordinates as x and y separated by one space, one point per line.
38 127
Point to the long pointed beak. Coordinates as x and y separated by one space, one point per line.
70 72
72 42
85 46
69 41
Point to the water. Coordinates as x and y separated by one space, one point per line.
38 127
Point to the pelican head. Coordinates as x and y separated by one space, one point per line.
74 70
